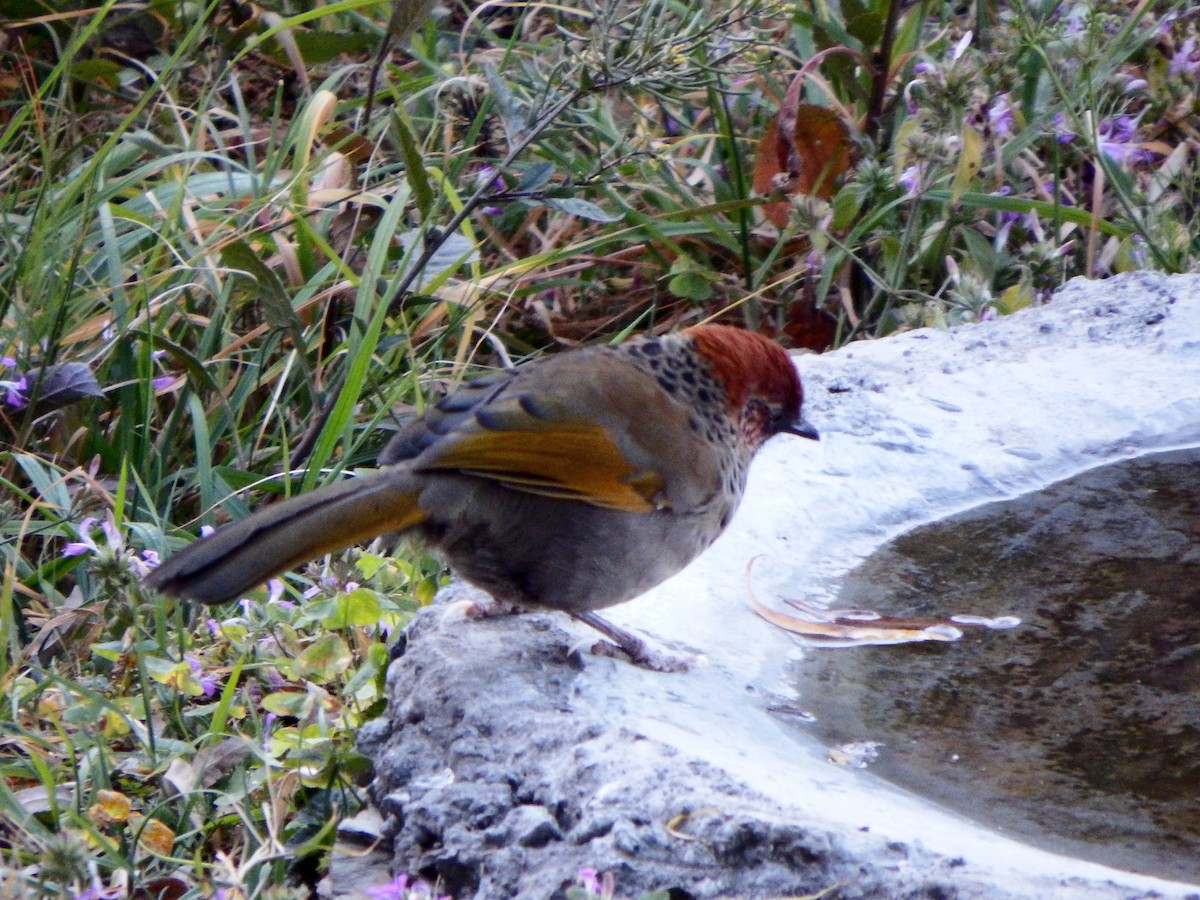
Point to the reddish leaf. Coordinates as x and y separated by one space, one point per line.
810 326
805 150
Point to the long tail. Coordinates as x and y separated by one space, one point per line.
243 554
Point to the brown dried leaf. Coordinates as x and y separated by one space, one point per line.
805 150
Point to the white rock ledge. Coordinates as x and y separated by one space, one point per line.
505 763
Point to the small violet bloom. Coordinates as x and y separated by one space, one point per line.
910 179
1061 129
87 544
207 683
1118 141
15 392
1000 116
597 885
403 888
393 890
1186 61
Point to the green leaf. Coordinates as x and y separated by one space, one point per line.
454 251
1014 297
584 209
1046 208
969 160
511 114
689 281
981 253
868 28
414 161
324 660
535 176
322 46
294 704
846 203
276 303
359 607
369 564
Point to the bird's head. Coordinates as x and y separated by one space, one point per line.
762 387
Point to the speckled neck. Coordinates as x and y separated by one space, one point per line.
675 364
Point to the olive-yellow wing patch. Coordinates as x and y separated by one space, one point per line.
551 456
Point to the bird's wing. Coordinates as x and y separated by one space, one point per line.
532 442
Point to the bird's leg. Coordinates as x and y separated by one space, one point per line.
634 647
486 607
465 601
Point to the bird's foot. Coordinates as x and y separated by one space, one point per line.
467 602
641 655
631 646
489 607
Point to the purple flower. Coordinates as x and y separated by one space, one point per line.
325 584
1164 24
910 179
393 890
1000 116
111 534
96 892
85 544
14 392
1118 141
597 885
207 683
911 104
401 887
1120 128
589 880
1075 22
1186 60
489 176
1062 129
1139 251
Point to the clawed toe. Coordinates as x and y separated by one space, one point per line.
643 657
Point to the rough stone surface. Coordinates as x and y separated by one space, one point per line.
510 757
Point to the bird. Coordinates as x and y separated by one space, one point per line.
572 482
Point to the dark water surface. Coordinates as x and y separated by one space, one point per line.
1079 730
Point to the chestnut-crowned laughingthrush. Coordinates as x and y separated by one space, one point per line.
573 482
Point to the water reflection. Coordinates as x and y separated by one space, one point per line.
1078 730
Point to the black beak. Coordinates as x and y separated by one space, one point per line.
803 428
